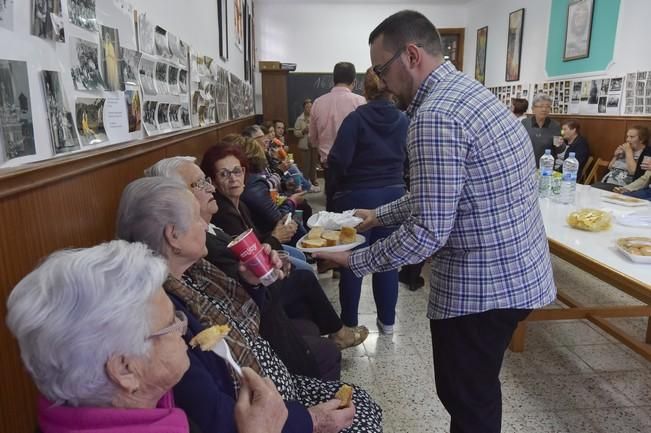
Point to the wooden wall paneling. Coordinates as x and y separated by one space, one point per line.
62 203
274 95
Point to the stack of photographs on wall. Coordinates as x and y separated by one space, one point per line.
16 127
559 91
506 93
240 96
638 93
589 97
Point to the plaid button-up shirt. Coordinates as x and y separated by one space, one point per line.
472 206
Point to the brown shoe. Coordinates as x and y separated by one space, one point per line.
349 337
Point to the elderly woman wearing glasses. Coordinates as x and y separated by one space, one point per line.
166 216
541 128
295 313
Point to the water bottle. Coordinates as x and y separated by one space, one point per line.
546 171
568 183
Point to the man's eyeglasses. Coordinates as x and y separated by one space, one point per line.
180 325
383 68
225 173
204 183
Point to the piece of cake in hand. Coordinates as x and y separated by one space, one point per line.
209 337
345 394
348 235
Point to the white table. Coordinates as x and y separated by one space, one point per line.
596 253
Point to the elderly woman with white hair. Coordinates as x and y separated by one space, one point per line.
166 216
541 127
102 341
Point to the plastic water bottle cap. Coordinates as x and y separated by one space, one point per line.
572 154
548 151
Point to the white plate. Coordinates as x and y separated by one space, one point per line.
634 257
635 220
634 202
343 247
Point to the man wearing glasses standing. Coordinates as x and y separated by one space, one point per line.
329 110
472 207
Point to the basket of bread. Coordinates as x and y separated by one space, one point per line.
592 220
637 248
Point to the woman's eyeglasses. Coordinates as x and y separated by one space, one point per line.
180 325
225 173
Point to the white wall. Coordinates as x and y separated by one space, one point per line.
317 34
631 49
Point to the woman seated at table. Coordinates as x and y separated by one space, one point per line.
625 166
640 188
102 342
244 197
572 141
540 127
299 296
164 215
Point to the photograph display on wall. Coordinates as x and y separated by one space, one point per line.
47 20
222 15
130 61
111 70
134 113
174 118
89 113
147 76
505 94
149 117
480 55
62 125
16 127
82 13
145 32
85 65
637 96
514 45
184 115
162 116
238 25
161 79
173 80
7 14
183 81
221 93
162 44
578 28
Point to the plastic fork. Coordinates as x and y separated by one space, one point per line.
222 350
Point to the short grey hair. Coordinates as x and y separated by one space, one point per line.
79 308
541 97
169 167
150 204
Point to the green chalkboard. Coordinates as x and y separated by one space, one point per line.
311 85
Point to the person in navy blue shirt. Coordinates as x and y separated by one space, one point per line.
572 141
365 169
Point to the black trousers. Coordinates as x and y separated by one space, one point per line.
468 353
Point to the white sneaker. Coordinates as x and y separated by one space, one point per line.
314 190
384 329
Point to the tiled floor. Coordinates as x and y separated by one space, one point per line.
572 377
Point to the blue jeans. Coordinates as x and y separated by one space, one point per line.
297 258
385 284
644 193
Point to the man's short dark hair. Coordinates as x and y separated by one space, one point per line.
520 106
406 27
306 101
344 73
278 121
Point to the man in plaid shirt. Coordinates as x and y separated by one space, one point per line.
473 207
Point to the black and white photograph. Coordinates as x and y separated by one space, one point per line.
178 48
576 92
162 88
184 115
147 76
630 81
605 83
173 80
601 106
174 118
184 50
62 125
594 92
613 101
89 114
641 76
47 20
149 117
616 84
16 127
134 113
129 61
146 35
579 26
82 13
639 88
110 48
235 98
183 81
7 14
221 94
160 39
162 116
639 101
85 65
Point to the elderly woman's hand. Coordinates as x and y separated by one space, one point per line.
328 418
259 406
620 189
284 232
276 262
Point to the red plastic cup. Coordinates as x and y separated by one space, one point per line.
248 250
245 245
